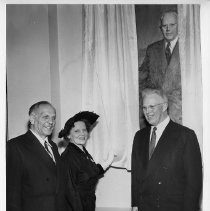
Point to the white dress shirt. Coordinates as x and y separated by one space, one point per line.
172 44
41 140
160 128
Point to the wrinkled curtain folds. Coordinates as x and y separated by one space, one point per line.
110 79
191 71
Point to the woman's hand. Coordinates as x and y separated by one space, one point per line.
109 161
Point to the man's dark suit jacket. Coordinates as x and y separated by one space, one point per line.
172 179
156 73
34 182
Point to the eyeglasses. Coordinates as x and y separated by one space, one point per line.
151 107
165 26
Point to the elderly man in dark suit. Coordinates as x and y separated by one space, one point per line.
166 161
34 180
161 65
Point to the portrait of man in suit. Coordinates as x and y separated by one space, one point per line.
166 161
34 180
161 65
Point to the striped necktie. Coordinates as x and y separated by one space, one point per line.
152 142
46 146
168 52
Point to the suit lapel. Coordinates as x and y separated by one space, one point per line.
175 55
58 169
55 151
145 149
143 152
38 150
163 56
162 147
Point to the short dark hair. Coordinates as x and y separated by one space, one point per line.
35 106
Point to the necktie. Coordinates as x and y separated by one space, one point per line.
152 142
46 146
168 52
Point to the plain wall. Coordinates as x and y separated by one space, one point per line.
28 67
44 62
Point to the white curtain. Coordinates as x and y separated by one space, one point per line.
191 71
110 79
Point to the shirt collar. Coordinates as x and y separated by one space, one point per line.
173 43
162 124
41 140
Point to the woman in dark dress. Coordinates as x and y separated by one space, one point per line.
81 172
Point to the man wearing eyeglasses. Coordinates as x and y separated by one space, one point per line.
166 161
161 65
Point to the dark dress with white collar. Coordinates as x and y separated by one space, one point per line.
81 177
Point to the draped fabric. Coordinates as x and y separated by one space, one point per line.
191 71
110 79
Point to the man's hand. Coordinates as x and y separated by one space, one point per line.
134 208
